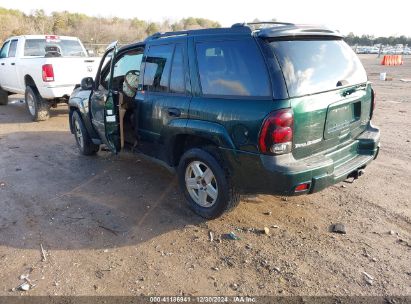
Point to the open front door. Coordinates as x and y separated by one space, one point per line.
112 125
104 102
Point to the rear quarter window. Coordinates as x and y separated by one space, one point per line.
313 66
232 68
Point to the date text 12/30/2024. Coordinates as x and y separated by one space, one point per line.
203 299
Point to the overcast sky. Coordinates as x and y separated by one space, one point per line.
379 18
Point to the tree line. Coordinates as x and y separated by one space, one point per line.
99 30
370 40
90 29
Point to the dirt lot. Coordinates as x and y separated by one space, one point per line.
119 225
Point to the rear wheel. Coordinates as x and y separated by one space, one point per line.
205 183
4 97
38 108
83 139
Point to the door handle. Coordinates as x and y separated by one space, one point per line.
13 63
174 112
2 63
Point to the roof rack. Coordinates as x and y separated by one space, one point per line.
253 24
166 35
205 31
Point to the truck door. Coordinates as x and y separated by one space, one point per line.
104 101
8 72
164 96
3 66
12 80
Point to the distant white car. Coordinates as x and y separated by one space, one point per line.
45 68
374 50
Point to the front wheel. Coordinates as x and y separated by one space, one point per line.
83 140
205 184
36 106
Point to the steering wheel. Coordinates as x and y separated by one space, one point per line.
133 72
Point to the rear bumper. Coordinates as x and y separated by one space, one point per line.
52 92
254 173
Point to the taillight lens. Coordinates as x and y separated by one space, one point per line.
47 72
302 187
276 134
373 97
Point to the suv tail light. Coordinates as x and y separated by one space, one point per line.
47 72
276 134
373 95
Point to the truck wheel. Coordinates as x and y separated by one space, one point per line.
4 97
37 107
83 140
205 183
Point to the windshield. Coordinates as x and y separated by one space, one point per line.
313 66
69 48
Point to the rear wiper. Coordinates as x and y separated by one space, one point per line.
349 91
341 83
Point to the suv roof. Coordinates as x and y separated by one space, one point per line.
267 30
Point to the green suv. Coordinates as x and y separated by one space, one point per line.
271 108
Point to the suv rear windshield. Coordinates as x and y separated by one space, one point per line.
313 66
69 48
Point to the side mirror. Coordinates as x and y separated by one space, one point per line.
90 52
87 83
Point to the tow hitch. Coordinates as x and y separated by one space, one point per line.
356 174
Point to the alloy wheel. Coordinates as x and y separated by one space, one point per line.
201 184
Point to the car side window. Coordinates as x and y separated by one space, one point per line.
157 68
105 70
130 61
177 81
232 68
5 49
13 48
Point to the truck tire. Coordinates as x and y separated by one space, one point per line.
4 97
206 184
83 139
36 106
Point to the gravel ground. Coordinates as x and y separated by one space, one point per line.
119 225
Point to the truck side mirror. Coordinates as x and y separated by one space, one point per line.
87 83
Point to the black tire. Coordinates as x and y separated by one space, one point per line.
38 109
86 145
4 97
227 197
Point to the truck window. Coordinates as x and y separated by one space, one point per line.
177 82
5 49
69 48
13 48
233 68
157 68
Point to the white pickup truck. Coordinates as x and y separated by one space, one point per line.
45 68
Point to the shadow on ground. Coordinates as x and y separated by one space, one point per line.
52 195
